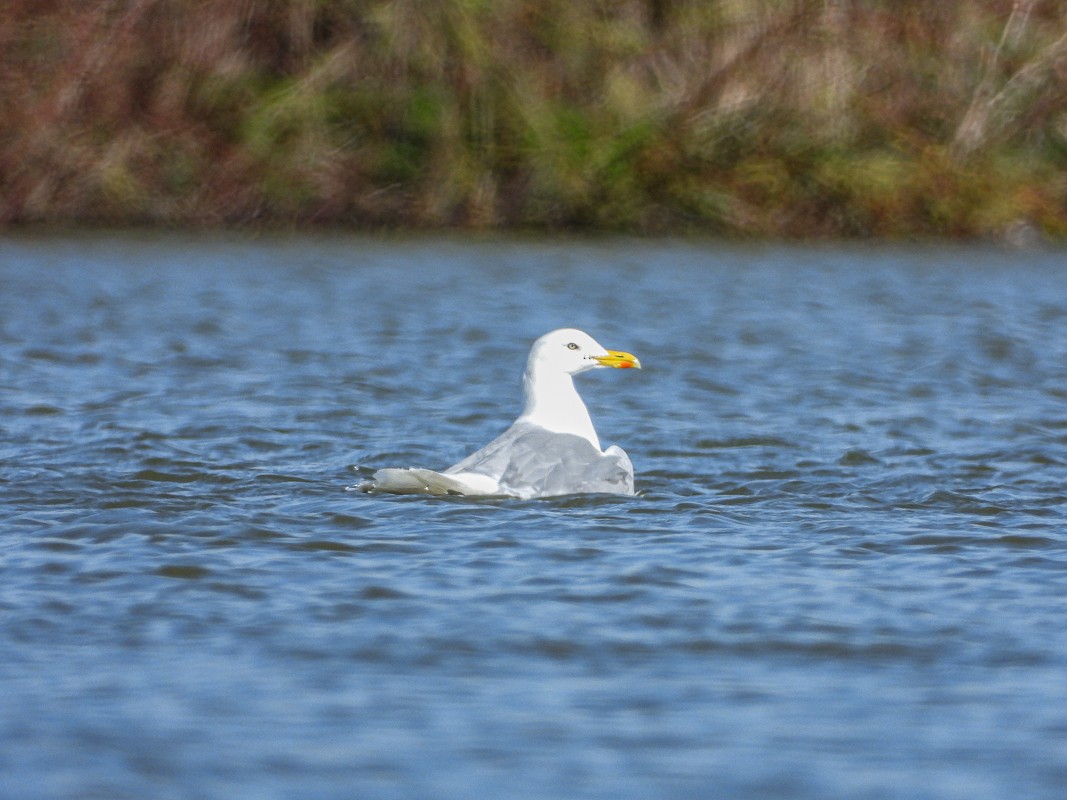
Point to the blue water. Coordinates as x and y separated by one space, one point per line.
844 574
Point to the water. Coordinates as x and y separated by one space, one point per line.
843 576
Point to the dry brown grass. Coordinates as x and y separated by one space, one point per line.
763 117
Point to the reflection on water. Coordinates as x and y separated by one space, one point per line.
843 574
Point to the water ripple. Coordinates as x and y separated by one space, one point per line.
846 556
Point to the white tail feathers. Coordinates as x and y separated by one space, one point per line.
414 481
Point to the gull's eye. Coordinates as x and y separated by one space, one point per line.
572 346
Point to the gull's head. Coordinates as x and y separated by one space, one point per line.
572 351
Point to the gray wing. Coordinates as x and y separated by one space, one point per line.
530 461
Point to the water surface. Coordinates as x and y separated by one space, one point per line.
843 574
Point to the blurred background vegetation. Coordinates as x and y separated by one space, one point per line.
786 118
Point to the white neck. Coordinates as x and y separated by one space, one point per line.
553 403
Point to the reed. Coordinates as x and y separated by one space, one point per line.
786 118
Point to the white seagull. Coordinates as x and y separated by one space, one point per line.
551 449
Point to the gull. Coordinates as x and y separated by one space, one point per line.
552 449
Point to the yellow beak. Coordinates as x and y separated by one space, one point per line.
617 358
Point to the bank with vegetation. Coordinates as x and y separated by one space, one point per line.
785 118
